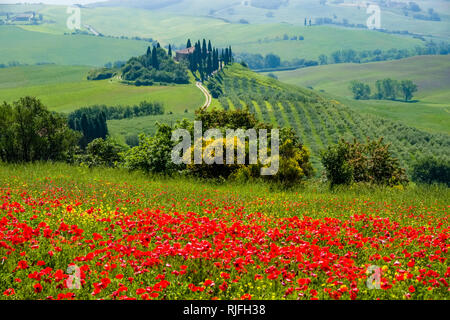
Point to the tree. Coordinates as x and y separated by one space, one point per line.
431 170
155 62
408 88
170 51
29 132
369 162
272 61
102 153
188 45
360 90
323 59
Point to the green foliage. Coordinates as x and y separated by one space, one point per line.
408 88
214 88
91 123
386 89
371 162
360 90
29 132
431 170
153 154
101 74
155 66
102 153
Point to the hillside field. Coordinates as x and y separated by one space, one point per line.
320 121
29 47
431 111
141 237
65 88
173 28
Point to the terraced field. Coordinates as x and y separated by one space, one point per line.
320 122
430 109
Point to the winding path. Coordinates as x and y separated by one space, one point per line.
207 95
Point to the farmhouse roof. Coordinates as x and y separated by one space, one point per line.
186 51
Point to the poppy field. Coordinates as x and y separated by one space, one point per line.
77 233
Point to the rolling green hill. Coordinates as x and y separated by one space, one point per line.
30 47
318 121
294 12
430 73
64 88
172 27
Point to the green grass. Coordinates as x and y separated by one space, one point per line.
119 129
320 120
175 28
34 47
64 88
430 73
111 222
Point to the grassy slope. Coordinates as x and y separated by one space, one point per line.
64 88
319 121
33 47
431 73
175 28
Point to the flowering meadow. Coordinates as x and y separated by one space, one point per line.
75 233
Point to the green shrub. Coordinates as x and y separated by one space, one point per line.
431 170
29 132
153 154
371 162
101 74
102 153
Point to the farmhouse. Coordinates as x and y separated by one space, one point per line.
23 17
183 54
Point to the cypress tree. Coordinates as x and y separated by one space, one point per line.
170 51
149 51
204 50
209 68
209 46
188 45
155 63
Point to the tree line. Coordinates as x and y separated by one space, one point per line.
273 61
91 121
207 59
29 132
386 89
156 65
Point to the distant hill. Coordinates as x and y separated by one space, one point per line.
141 4
65 88
321 121
430 73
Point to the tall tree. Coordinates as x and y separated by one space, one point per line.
170 51
209 46
204 50
188 45
155 62
408 88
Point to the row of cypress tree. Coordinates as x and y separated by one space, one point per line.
207 59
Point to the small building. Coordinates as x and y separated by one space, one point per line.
23 17
183 54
